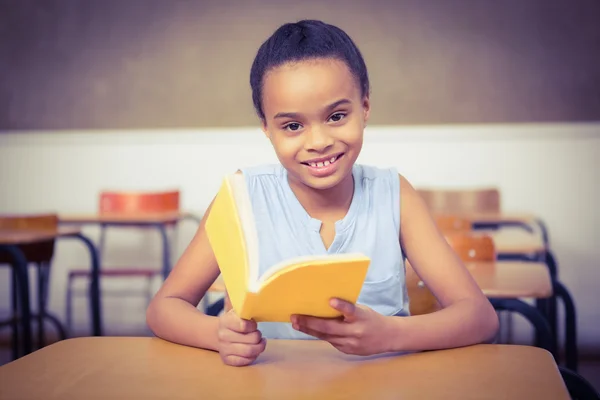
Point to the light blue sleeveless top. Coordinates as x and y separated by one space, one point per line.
371 227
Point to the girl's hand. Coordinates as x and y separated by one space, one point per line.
240 341
359 331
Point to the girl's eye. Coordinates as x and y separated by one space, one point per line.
294 126
337 117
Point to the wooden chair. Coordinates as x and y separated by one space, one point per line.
138 203
452 223
41 255
421 299
472 246
461 200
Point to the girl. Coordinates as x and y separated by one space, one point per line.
310 88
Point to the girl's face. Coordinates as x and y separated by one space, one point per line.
314 117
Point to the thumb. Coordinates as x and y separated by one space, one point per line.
349 310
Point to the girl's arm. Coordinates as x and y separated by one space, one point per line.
172 313
466 317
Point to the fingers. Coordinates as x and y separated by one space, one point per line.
343 306
315 333
330 327
231 321
240 341
229 336
236 361
240 354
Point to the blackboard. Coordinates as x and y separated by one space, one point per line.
114 64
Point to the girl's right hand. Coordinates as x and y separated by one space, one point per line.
240 341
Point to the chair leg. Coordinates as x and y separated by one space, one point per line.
68 305
578 386
538 321
15 316
149 291
41 298
571 350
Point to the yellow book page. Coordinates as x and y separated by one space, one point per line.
306 288
227 241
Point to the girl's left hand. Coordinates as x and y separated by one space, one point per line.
359 331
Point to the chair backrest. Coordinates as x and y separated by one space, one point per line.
421 299
135 203
472 246
34 252
452 223
461 200
139 202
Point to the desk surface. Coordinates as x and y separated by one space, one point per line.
496 217
25 236
516 241
150 368
125 218
509 279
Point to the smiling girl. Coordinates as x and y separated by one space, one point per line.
310 89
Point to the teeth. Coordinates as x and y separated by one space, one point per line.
322 164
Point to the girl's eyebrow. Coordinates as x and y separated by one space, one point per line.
293 115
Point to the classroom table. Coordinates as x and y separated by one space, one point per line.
495 220
160 221
11 239
519 244
151 368
512 279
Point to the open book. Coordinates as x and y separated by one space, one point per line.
295 286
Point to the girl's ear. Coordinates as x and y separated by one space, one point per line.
366 103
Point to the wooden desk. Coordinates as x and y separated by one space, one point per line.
512 280
516 242
150 368
22 236
11 239
499 218
130 219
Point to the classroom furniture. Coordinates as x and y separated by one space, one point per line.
40 254
468 200
142 210
522 246
420 298
121 204
31 238
578 386
473 246
151 368
482 207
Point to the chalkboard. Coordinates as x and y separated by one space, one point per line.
113 64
